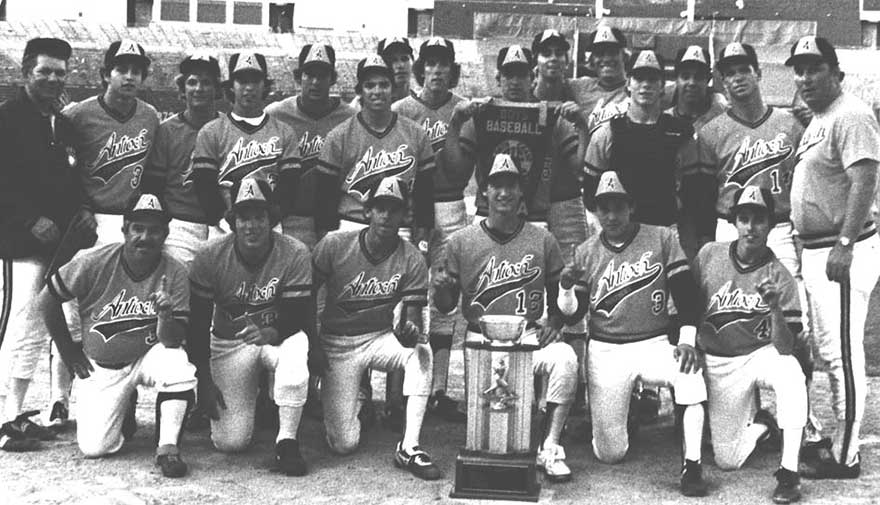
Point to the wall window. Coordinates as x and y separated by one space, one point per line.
211 11
281 17
420 22
247 13
174 10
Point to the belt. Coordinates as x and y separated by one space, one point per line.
475 327
781 218
113 366
820 241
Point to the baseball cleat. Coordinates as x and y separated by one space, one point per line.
692 483
30 429
788 486
168 459
551 460
59 418
288 459
13 440
445 408
772 440
417 462
830 469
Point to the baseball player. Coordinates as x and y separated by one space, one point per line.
41 216
171 155
751 318
312 114
134 307
694 99
398 55
245 142
257 283
833 188
437 72
622 278
604 96
503 265
367 273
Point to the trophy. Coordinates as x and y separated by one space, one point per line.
497 461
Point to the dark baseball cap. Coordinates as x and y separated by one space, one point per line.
605 35
317 54
692 55
812 48
737 52
752 196
200 61
437 47
125 50
514 55
56 48
247 62
547 37
388 43
373 63
146 204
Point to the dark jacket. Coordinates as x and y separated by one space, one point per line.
36 176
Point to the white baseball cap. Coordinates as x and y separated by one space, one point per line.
147 204
610 185
503 164
390 188
250 192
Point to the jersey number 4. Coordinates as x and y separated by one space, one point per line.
533 304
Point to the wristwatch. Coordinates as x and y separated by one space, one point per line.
845 241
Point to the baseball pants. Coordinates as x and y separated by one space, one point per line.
613 370
22 333
235 368
732 381
184 239
103 398
839 312
348 357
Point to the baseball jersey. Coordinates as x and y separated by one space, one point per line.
117 315
503 276
362 290
735 320
717 106
836 138
241 291
743 154
171 159
599 103
628 284
361 157
312 131
235 149
112 150
449 182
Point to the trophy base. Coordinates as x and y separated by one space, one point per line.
486 476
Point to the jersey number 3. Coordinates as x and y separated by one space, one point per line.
534 302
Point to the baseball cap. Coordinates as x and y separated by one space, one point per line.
125 49
389 188
646 61
605 35
317 54
737 52
147 204
388 43
252 192
812 48
548 37
438 47
503 164
373 63
247 62
610 185
56 48
692 55
514 55
200 61
752 196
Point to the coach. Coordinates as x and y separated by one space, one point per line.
37 203
831 195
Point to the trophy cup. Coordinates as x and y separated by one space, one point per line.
498 461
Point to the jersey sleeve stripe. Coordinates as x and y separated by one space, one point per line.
415 292
415 302
205 161
568 143
592 170
180 314
295 294
57 289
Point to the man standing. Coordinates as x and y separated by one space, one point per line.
504 265
832 192
312 114
604 96
694 99
367 273
134 307
250 312
41 216
437 72
171 156
398 54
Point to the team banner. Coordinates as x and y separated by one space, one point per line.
524 131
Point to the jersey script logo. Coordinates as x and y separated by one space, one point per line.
731 306
436 133
126 316
498 279
244 159
371 168
810 138
363 294
753 158
119 152
310 146
618 283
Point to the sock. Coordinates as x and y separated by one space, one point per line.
692 428
555 420
791 448
60 378
173 412
15 398
288 422
415 413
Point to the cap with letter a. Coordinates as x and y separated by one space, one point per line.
437 47
200 61
692 56
146 204
547 37
388 43
125 49
389 188
373 64
247 62
607 36
610 186
752 196
646 61
252 191
811 48
317 54
503 164
514 55
737 52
